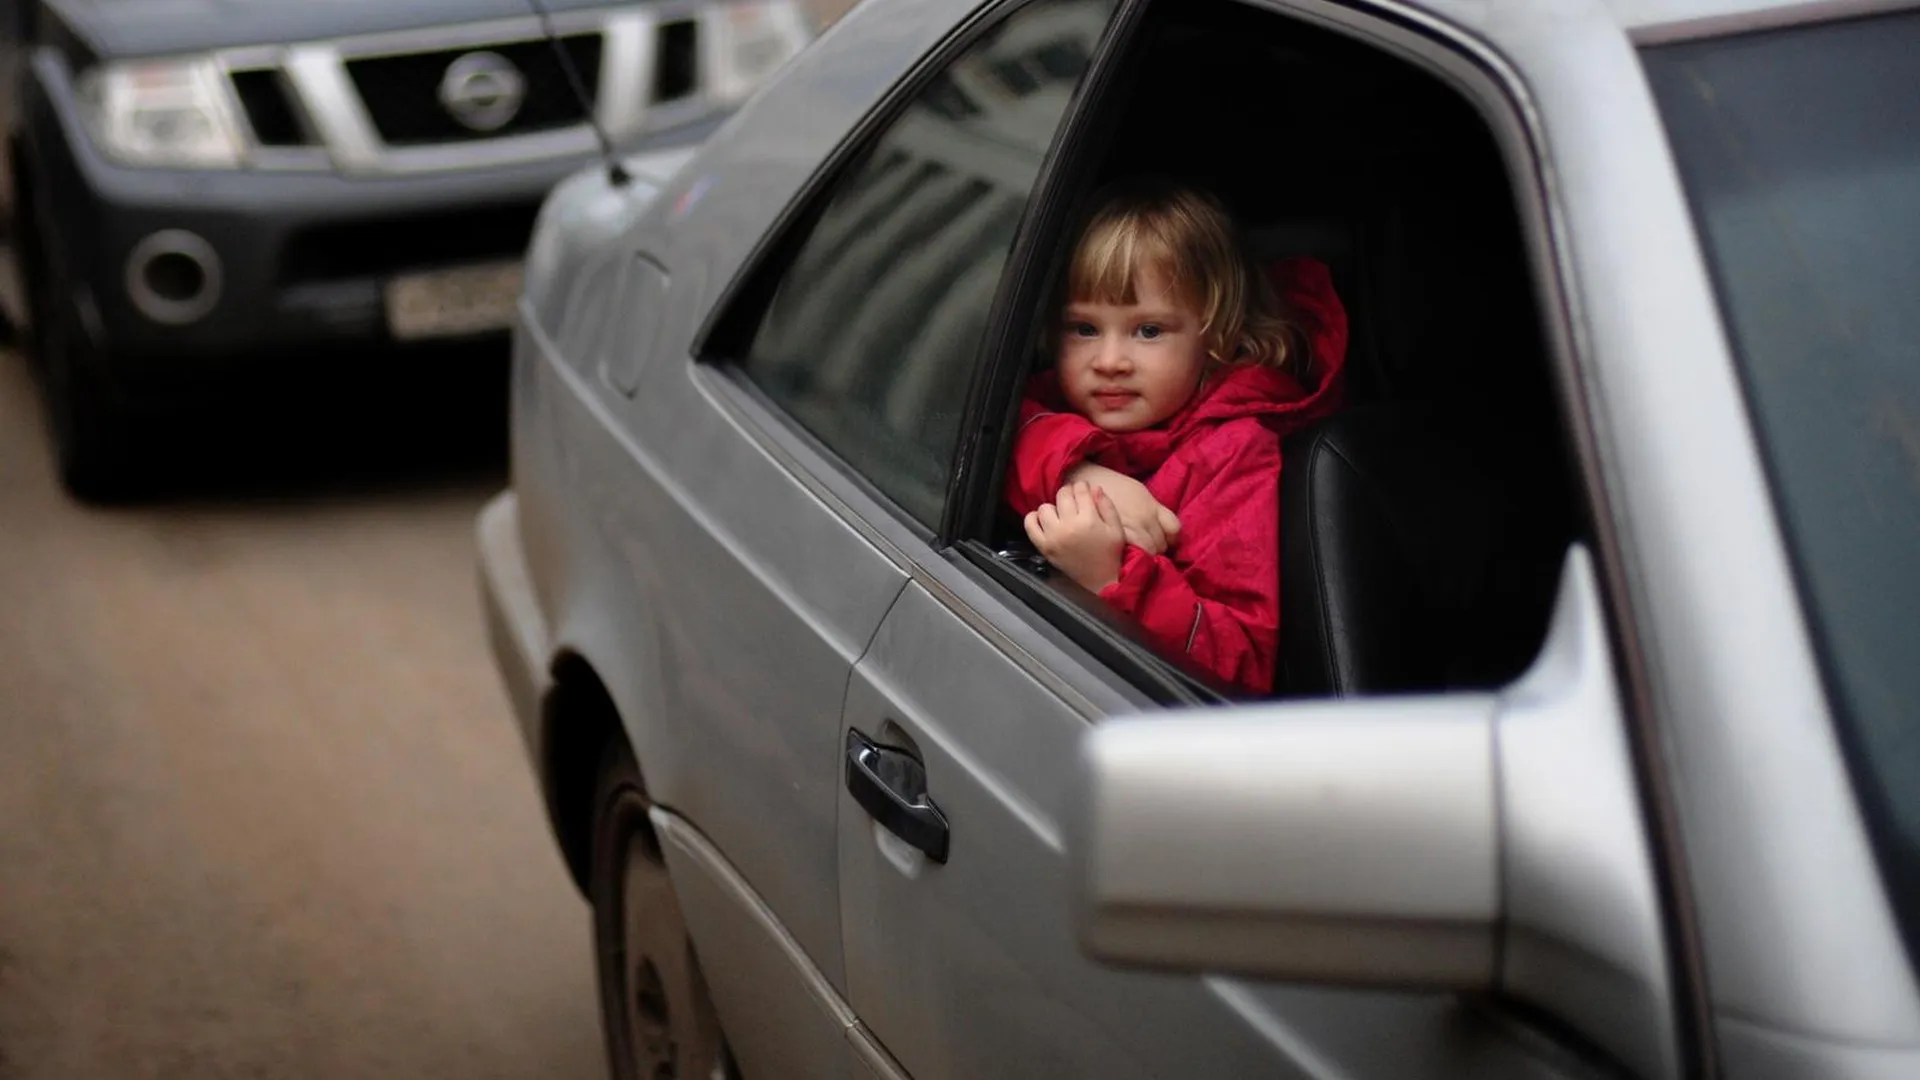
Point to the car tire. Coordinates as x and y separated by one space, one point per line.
656 1012
29 261
91 435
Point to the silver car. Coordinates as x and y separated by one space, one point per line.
1597 745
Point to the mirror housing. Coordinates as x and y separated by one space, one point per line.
1469 842
1350 843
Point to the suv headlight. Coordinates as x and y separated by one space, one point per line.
748 40
162 113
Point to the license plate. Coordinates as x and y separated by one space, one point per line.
452 303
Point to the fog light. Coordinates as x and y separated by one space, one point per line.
173 277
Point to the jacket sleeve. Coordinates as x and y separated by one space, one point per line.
1047 446
1222 608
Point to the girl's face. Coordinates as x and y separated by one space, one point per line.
1130 366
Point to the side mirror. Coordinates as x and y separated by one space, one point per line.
1328 843
1472 842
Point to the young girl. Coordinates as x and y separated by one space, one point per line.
1147 466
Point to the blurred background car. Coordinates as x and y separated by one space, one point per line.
207 198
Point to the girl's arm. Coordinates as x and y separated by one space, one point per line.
1051 452
1146 522
1223 609
1047 447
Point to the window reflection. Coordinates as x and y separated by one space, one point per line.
874 332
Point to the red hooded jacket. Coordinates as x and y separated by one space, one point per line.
1215 595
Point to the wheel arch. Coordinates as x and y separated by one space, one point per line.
578 720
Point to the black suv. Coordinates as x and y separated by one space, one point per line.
208 194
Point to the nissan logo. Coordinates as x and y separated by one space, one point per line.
483 90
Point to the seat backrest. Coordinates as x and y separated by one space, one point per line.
1412 559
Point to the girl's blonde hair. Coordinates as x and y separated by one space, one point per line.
1187 236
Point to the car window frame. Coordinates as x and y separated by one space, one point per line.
1046 599
1038 256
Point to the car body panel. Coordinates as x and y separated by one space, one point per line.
781 1015
516 629
1796 928
730 671
972 968
645 522
1763 1052
672 446
1678 20
954 973
1739 729
1585 937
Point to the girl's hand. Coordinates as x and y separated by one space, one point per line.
1081 535
1148 525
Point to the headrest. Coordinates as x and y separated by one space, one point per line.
1328 239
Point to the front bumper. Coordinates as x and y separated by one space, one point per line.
304 256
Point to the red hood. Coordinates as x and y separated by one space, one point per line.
1245 390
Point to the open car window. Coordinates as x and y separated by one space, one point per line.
1424 526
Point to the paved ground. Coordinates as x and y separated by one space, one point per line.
262 810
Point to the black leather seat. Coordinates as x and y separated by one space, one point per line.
1413 559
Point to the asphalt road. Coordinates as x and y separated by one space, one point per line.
263 813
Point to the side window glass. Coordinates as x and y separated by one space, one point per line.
874 329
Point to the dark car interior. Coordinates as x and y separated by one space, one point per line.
1425 526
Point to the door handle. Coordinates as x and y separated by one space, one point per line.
892 786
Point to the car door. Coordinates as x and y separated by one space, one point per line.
969 969
962 729
968 965
763 491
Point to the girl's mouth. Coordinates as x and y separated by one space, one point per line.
1113 399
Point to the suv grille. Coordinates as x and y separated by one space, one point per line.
377 247
676 61
402 93
269 106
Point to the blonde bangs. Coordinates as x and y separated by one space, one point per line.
1186 240
1112 253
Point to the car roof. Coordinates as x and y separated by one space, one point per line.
1677 20
1668 20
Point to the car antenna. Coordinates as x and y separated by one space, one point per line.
617 174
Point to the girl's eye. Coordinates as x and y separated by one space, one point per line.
1149 331
1081 329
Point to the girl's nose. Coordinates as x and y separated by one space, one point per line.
1110 357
